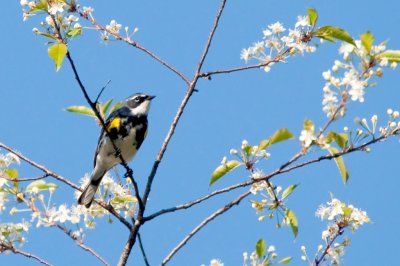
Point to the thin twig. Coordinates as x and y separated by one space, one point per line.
25 179
81 244
204 223
146 261
24 253
328 246
278 58
134 44
197 201
101 91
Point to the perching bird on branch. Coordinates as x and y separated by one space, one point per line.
127 127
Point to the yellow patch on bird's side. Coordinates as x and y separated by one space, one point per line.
115 123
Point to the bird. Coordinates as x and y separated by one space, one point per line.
127 128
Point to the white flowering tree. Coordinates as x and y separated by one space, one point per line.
361 62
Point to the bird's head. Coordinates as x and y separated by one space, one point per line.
139 103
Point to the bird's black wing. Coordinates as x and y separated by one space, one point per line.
113 124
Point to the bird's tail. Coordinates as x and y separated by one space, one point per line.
88 193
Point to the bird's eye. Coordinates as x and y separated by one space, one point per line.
137 99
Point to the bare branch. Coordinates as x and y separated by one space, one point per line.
197 201
210 38
143 251
81 244
101 91
4 247
204 223
134 44
25 179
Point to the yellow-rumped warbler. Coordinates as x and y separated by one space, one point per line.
127 127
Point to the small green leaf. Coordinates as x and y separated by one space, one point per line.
123 199
40 185
312 16
248 149
346 211
331 33
106 106
221 170
285 260
280 135
57 52
12 173
74 32
292 221
260 248
84 110
288 191
391 55
366 40
40 6
340 164
46 35
115 107
341 139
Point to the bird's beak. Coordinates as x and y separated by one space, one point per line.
151 97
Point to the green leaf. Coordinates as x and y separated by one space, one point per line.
292 221
40 185
346 211
312 16
123 199
115 107
40 6
84 110
248 149
391 55
340 164
74 32
106 106
366 40
331 33
46 35
221 170
280 135
260 248
12 173
288 191
285 260
57 52
341 139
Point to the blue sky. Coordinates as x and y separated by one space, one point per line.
248 105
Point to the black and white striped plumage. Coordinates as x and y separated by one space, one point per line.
127 127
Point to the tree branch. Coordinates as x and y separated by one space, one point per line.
4 247
134 44
204 223
81 244
25 179
143 251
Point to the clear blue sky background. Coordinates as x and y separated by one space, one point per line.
249 105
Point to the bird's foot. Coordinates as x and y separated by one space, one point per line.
129 173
